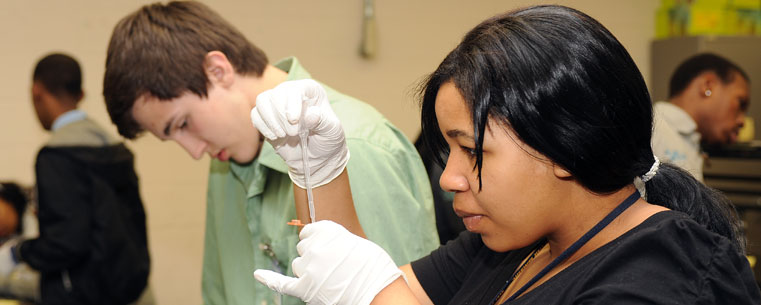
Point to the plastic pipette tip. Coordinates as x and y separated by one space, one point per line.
296 222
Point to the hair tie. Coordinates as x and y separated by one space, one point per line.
653 169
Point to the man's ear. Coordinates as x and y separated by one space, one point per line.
707 82
560 171
78 98
218 69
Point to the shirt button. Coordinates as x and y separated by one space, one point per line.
266 249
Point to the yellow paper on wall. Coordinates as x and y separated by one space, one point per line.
746 133
705 21
751 260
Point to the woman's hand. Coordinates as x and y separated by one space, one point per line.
334 267
278 116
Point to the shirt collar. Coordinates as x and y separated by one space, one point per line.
677 118
252 175
67 118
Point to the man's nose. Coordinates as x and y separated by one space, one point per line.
194 147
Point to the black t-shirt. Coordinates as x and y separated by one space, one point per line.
668 259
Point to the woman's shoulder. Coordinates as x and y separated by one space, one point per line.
673 256
671 225
673 235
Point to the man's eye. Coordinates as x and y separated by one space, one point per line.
744 105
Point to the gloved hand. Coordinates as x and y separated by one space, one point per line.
334 267
7 262
278 116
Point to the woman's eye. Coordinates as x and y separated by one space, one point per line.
470 151
184 124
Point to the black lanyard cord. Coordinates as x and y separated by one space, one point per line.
578 244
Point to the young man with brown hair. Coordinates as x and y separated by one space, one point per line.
181 72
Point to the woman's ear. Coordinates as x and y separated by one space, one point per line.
218 69
560 171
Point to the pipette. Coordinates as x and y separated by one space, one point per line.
303 137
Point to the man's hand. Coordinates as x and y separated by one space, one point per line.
334 267
293 106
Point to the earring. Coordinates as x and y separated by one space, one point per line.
708 92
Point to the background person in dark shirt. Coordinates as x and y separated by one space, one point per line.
20 282
92 246
546 123
13 203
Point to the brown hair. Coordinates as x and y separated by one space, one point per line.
160 49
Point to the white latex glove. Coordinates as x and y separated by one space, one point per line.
277 116
7 263
334 267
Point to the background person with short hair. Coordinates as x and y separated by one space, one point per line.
708 99
92 246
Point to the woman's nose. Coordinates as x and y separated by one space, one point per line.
452 180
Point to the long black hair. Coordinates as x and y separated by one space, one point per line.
568 88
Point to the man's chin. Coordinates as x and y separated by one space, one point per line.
245 156
720 140
732 139
243 159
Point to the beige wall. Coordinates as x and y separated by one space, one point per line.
413 37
